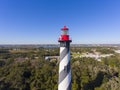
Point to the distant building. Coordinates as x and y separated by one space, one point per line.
52 58
117 51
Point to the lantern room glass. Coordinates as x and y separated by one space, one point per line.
64 32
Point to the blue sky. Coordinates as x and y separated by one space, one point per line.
39 21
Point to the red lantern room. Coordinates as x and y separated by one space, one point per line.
64 36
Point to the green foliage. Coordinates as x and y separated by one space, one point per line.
104 50
27 70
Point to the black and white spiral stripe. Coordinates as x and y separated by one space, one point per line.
64 69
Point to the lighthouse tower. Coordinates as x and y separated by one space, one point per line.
64 65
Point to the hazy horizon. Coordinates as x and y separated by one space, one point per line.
71 44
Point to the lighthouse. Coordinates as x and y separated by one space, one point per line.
64 65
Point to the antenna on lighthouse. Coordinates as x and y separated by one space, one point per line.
64 65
